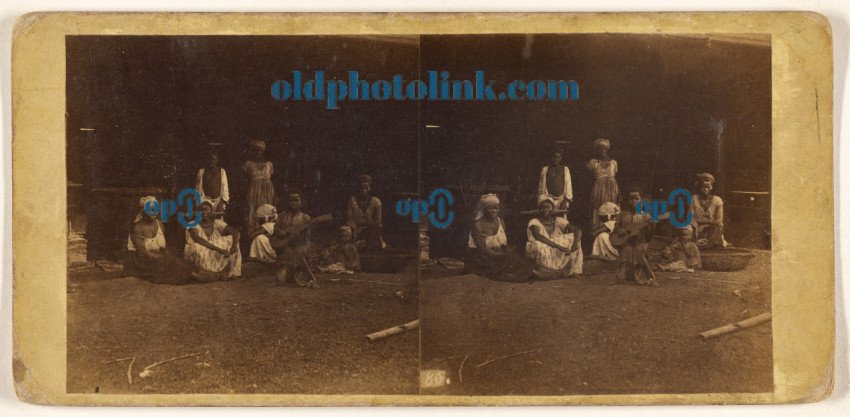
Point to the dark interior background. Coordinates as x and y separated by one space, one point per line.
155 102
672 107
141 111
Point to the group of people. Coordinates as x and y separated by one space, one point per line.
280 239
620 234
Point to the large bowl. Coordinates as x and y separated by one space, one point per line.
732 259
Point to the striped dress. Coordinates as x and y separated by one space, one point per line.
205 259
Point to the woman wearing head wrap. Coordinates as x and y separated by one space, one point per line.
605 170
488 244
555 180
261 247
146 255
708 213
553 243
602 247
259 170
363 215
212 247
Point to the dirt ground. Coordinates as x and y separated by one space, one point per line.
587 337
252 337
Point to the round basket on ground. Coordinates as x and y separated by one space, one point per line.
732 259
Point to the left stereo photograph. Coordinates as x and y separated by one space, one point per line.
230 232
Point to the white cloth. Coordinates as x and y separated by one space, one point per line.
558 195
602 247
261 247
209 260
491 242
549 257
225 191
152 244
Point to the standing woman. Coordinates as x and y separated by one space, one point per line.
260 189
553 243
604 169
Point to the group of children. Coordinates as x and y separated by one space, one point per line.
619 234
280 239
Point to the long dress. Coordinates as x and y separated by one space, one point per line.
260 190
713 233
605 188
549 257
261 247
484 264
602 247
203 258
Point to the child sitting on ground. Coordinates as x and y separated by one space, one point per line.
682 255
342 257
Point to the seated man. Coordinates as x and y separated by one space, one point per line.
363 215
602 247
708 213
291 242
632 231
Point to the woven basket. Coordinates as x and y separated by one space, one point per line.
725 260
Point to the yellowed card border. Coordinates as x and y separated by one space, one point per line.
803 269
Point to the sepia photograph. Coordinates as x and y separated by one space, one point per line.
617 242
224 241
437 209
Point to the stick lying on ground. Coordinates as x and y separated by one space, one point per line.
729 328
507 356
147 371
392 331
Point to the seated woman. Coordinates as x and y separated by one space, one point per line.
146 255
488 244
602 247
708 213
363 215
553 243
262 249
212 247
